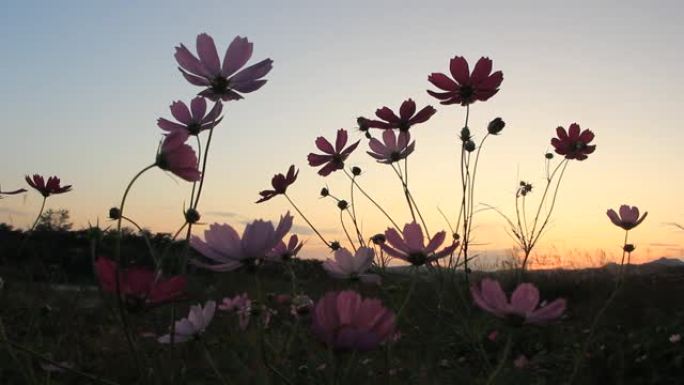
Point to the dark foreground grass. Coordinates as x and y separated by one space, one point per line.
444 338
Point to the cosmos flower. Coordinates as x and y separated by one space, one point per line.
139 285
391 149
193 325
628 218
194 120
333 158
240 305
466 88
411 247
228 251
284 252
406 119
348 266
280 184
46 189
346 321
222 81
575 143
490 297
178 157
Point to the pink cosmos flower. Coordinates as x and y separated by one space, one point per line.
521 362
490 297
139 285
280 184
46 189
346 321
222 81
178 157
227 251
575 143
194 120
466 88
282 252
193 325
241 305
628 218
391 149
348 266
411 248
334 157
406 119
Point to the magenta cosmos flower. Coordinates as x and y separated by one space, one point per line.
280 184
490 297
193 325
345 321
333 158
575 143
46 189
228 251
194 120
139 285
466 88
222 81
176 156
391 149
628 218
283 252
406 119
411 247
348 266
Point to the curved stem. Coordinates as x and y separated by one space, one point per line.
372 200
502 362
204 170
352 215
347 232
40 213
147 240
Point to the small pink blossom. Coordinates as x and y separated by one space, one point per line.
628 218
391 149
240 305
332 158
411 247
348 266
521 362
193 325
675 338
194 120
178 157
284 252
490 297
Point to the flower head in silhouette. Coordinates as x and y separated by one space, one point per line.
410 246
392 148
53 185
466 88
228 251
333 157
284 252
280 184
522 307
346 321
348 266
193 325
628 217
407 117
222 81
178 157
194 120
573 144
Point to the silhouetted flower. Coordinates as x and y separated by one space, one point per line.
282 252
139 285
227 251
348 266
490 297
407 116
628 218
193 325
280 184
468 87
194 120
333 158
46 189
575 143
176 156
346 321
222 81
411 248
391 149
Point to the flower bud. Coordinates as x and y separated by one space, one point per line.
629 248
469 146
548 155
334 245
325 192
192 216
465 134
342 204
114 213
356 170
378 239
495 126
364 124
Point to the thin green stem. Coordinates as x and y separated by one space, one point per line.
502 362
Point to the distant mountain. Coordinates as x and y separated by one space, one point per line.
664 261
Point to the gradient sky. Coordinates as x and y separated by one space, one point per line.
84 82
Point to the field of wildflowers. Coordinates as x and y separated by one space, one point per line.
213 305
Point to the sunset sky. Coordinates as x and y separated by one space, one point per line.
84 83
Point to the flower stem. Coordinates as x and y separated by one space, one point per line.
210 360
502 362
306 220
372 200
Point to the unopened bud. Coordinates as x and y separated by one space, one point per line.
495 126
192 216
378 239
114 213
629 248
548 155
469 146
364 124
334 245
325 192
465 134
342 204
356 170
